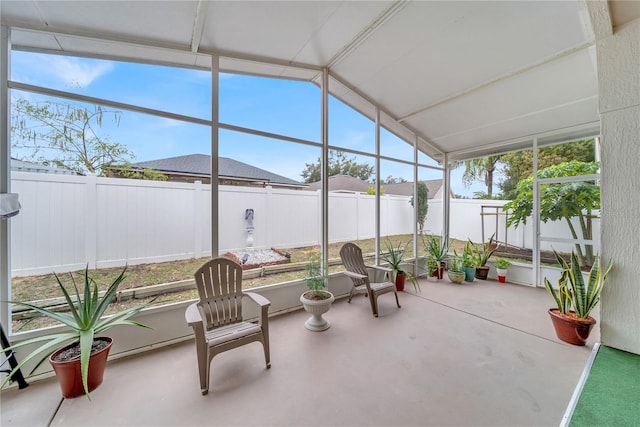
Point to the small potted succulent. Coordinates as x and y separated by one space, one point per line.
469 261
502 266
482 253
454 269
394 256
437 249
574 325
317 300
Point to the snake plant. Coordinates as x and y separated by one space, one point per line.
573 291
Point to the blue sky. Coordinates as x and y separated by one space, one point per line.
272 105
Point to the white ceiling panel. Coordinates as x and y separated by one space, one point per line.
521 96
463 45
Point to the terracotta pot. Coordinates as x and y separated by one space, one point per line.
482 272
69 375
570 328
401 278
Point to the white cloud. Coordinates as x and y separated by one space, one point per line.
56 70
75 71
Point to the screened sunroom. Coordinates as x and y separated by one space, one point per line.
407 91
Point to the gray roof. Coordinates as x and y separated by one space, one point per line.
200 164
22 166
350 183
343 183
406 188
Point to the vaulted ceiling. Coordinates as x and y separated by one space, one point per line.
467 78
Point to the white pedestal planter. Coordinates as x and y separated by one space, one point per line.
317 308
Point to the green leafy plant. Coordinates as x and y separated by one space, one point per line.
455 263
468 254
483 252
436 248
316 280
84 320
573 291
502 263
561 201
394 256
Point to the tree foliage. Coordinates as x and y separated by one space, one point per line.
481 169
423 205
393 180
560 201
519 165
65 136
339 164
128 171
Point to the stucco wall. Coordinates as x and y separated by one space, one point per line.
619 86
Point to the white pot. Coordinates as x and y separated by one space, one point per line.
502 274
317 308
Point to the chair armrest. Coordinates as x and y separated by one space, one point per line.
264 304
192 315
354 275
380 268
258 299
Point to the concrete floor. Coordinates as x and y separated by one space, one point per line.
467 355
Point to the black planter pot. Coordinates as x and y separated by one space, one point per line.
482 272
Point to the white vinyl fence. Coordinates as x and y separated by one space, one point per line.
68 222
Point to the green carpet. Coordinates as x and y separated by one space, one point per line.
611 394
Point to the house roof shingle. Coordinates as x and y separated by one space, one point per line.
200 164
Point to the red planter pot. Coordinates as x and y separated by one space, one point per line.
69 374
570 328
439 272
401 278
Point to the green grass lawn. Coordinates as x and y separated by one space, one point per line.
35 288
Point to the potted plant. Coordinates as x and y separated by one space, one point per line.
394 256
574 326
437 249
469 261
482 253
79 366
317 300
454 269
502 265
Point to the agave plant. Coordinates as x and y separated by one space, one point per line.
573 291
394 256
437 248
84 320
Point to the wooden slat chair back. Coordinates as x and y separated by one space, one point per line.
220 289
358 271
217 319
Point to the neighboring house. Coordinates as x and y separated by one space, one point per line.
197 167
350 184
22 166
343 184
406 188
